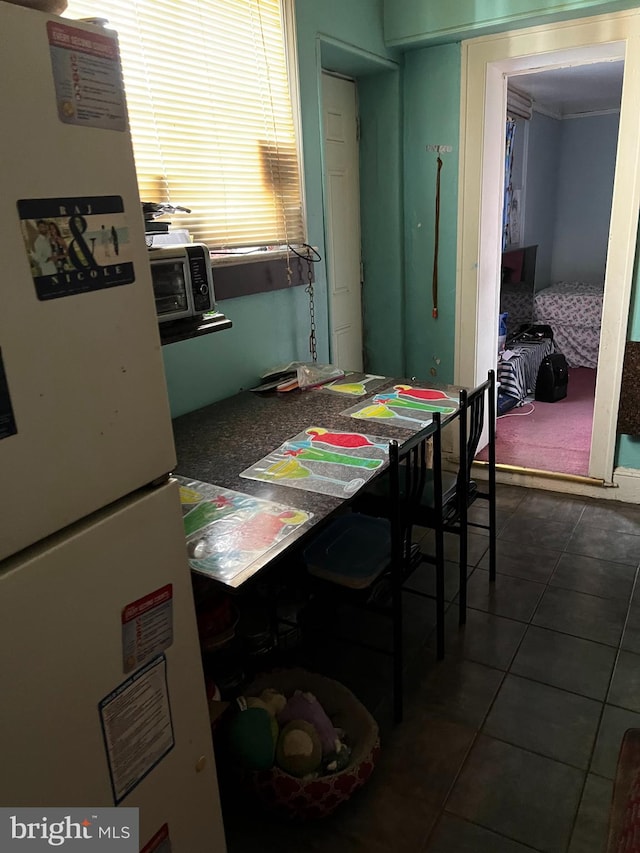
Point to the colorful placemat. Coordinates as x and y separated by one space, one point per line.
354 384
227 531
404 406
320 460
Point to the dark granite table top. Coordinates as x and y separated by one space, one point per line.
215 443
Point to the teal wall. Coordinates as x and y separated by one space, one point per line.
413 23
431 117
268 329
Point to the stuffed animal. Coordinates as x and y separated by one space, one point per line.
299 751
253 734
305 706
270 699
274 700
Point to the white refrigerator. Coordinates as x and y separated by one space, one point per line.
102 698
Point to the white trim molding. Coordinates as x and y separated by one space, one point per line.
628 482
487 64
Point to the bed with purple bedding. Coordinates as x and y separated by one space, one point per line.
573 309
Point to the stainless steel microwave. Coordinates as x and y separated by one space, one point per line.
182 281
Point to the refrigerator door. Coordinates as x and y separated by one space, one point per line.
76 729
84 415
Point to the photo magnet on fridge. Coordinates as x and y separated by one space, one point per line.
76 245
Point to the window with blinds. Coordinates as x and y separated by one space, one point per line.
211 114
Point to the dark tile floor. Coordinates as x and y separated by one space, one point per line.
509 744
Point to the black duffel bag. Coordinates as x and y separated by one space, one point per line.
553 378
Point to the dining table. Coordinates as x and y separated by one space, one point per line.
218 442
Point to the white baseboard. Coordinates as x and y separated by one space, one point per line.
628 482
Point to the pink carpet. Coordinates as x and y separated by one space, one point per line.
555 436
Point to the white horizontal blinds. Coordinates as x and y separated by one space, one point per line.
210 113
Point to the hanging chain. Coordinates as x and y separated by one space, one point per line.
289 271
299 269
312 308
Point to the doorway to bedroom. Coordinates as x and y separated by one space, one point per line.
487 63
562 133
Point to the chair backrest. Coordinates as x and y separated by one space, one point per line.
408 472
473 406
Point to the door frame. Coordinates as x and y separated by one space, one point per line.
486 64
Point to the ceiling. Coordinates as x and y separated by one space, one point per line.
575 89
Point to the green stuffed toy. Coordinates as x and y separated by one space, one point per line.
253 734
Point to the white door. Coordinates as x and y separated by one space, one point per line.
342 220
70 641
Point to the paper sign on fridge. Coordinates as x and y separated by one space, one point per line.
76 245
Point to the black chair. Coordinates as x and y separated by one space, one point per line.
459 491
447 497
369 559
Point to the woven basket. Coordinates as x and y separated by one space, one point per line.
317 798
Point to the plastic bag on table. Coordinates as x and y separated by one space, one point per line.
313 375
